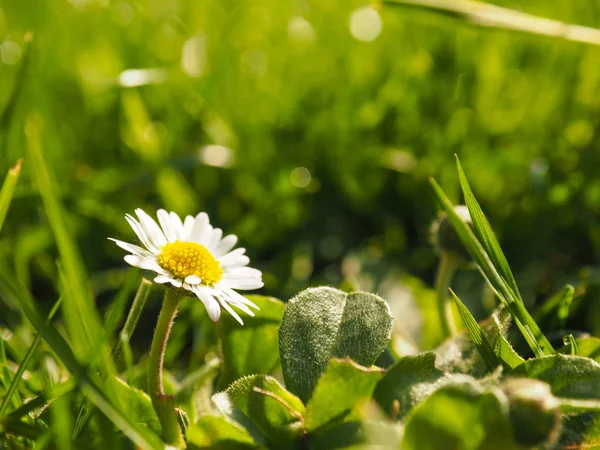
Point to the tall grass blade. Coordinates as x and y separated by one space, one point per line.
26 360
130 324
80 314
484 232
528 327
492 16
559 303
476 334
8 190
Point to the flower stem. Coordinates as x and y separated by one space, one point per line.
446 271
164 405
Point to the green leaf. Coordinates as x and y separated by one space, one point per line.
408 382
358 435
80 314
528 327
341 391
138 405
476 334
8 189
568 376
212 432
263 407
460 416
253 347
324 323
486 235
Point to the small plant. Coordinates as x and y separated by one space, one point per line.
316 371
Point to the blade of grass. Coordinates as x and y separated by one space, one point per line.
492 16
11 104
8 190
23 366
476 334
119 302
88 382
130 324
80 314
559 302
484 232
528 327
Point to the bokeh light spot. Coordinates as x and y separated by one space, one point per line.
216 155
365 24
300 177
10 52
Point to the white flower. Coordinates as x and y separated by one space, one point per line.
196 257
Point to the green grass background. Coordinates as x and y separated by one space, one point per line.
284 85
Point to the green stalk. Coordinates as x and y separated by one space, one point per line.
164 404
446 271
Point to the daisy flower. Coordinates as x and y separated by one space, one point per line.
194 256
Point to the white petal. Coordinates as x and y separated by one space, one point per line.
136 250
198 228
176 282
212 307
230 310
236 263
165 223
177 226
240 298
237 273
193 279
153 231
214 240
226 244
143 263
163 279
245 285
232 256
238 304
187 227
141 234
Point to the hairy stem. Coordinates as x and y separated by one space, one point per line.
164 404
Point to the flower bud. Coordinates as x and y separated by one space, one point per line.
533 410
444 236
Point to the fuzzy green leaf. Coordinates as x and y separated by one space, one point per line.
324 323
460 416
253 347
212 432
343 388
568 376
265 408
408 382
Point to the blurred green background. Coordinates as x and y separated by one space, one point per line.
310 130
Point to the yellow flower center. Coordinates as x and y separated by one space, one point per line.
183 259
